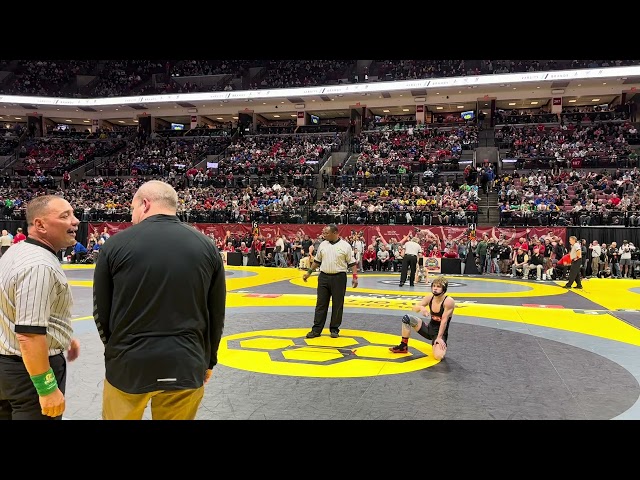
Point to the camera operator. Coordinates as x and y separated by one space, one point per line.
614 259
605 273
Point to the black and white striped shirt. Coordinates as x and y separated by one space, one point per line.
35 297
412 248
335 257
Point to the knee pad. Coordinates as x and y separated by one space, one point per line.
409 320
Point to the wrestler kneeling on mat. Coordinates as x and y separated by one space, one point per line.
438 308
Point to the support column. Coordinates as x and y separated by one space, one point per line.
420 114
556 107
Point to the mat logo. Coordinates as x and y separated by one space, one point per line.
451 284
355 353
432 263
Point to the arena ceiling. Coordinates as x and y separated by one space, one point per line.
450 99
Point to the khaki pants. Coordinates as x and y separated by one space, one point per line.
537 268
165 404
595 263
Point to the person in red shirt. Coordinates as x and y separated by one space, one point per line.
244 249
257 248
560 269
19 236
228 247
521 243
269 242
369 259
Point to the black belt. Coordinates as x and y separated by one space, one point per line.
12 357
409 255
339 273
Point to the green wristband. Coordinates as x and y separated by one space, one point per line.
310 271
45 383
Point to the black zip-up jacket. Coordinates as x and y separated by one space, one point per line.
159 304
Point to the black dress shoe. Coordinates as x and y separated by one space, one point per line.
312 334
578 288
402 284
566 286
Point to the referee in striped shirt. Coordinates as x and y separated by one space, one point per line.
335 257
35 315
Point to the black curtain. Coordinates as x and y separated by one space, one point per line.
11 226
82 235
253 261
144 125
34 125
605 234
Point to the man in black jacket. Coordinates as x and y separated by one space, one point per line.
160 315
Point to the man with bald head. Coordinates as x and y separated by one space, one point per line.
159 315
35 315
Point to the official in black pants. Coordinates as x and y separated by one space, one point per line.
331 287
16 385
576 262
574 275
409 263
334 257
